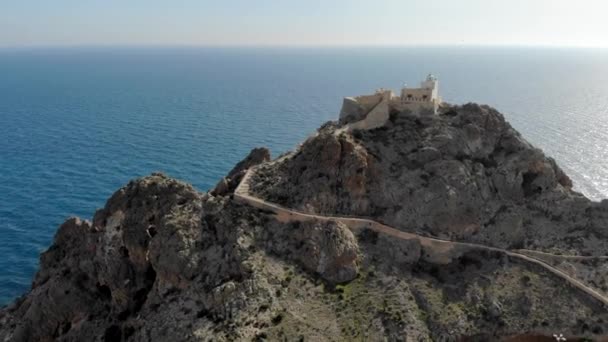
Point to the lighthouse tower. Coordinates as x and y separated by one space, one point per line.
431 83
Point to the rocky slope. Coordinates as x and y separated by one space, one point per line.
463 175
164 262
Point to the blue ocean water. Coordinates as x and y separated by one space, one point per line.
77 123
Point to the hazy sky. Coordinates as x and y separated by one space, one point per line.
306 22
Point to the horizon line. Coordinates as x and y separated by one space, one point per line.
294 46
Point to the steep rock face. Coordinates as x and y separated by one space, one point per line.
336 168
63 294
327 248
465 174
162 261
153 236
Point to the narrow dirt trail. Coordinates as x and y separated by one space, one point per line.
438 250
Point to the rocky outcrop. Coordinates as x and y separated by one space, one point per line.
326 248
164 262
337 168
227 184
161 261
152 237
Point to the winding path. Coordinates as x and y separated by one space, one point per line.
435 250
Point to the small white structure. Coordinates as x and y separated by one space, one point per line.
425 97
372 111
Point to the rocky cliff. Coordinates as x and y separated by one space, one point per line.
164 262
464 175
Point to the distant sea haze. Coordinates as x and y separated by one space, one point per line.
76 124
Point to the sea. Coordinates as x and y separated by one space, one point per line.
77 123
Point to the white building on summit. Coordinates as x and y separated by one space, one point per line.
372 111
425 97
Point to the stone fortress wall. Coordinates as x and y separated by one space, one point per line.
373 111
368 102
378 114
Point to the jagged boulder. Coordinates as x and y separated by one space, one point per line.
333 165
128 224
256 156
327 248
228 184
332 252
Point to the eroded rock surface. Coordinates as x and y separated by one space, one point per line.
164 262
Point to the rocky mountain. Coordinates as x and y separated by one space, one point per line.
444 227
